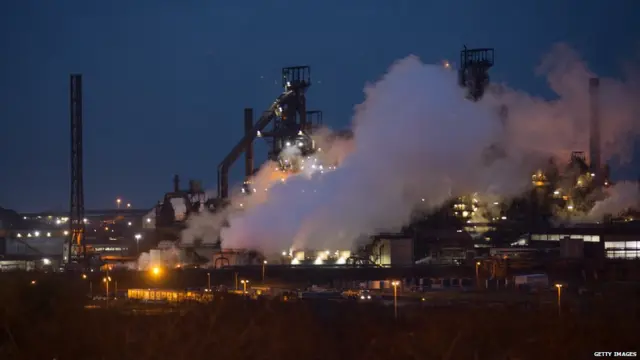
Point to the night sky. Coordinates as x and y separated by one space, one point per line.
165 81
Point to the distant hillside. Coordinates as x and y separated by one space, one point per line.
10 219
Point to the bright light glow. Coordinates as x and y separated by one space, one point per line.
19 235
288 143
138 236
65 232
300 133
318 261
129 223
58 221
155 270
284 253
48 234
46 261
128 205
37 233
295 261
148 220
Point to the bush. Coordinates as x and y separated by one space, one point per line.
48 320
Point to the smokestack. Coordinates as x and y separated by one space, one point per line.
594 128
176 183
248 152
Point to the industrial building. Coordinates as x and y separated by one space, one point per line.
464 229
168 296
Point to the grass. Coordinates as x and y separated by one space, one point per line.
47 321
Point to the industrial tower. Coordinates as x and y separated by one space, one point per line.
473 74
76 248
291 124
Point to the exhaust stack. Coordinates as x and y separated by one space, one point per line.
176 183
248 152
594 129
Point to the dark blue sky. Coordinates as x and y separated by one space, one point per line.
166 81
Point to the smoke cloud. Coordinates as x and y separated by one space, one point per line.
620 197
417 142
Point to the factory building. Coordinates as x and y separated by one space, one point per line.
393 249
610 242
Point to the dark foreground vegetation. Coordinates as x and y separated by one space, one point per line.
47 320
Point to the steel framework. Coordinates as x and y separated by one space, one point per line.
76 247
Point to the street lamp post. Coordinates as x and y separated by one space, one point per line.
85 277
244 286
137 237
118 201
559 287
478 274
264 264
209 281
395 284
106 281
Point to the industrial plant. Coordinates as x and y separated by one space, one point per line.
548 221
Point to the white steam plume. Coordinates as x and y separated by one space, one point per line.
416 137
620 197
205 226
